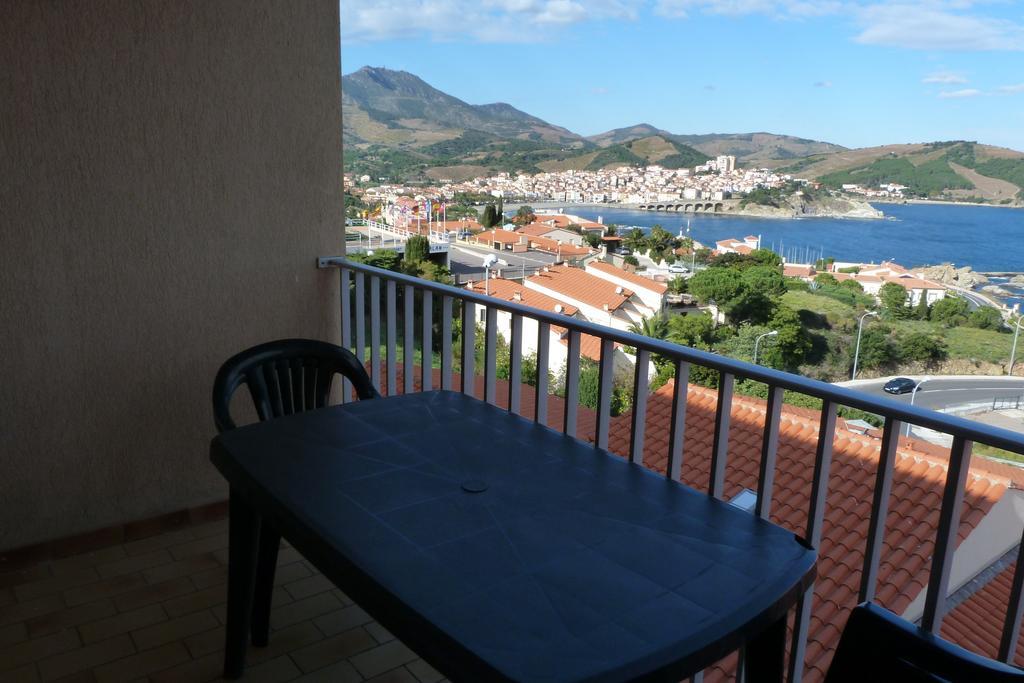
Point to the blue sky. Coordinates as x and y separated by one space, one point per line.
854 73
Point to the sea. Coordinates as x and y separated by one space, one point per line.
989 239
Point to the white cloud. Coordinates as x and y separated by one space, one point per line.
776 8
486 21
957 94
1010 89
936 25
945 78
823 84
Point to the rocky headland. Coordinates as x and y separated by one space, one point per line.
799 206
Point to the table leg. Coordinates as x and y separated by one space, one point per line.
266 565
243 540
765 655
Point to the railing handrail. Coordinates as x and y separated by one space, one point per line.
996 437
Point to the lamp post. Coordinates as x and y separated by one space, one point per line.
1013 351
489 261
773 333
860 329
913 395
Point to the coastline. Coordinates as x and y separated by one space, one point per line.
553 204
944 202
768 213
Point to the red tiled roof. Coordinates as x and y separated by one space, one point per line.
590 346
977 622
507 289
917 487
535 229
798 271
639 281
579 285
502 236
553 247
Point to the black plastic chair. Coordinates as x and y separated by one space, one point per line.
877 645
283 377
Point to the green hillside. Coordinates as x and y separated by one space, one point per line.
929 179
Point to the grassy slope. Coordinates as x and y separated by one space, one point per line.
962 342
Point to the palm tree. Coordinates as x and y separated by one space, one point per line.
655 327
635 240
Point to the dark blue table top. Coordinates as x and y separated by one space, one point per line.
508 550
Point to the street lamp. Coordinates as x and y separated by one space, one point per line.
913 395
773 333
489 262
1013 352
860 328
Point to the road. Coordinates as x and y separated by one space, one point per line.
945 392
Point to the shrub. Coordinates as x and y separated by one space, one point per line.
985 318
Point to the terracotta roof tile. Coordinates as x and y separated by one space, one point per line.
639 281
977 622
910 527
507 291
579 285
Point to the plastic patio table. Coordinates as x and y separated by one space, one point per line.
501 550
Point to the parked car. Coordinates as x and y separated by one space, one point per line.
677 268
623 251
899 385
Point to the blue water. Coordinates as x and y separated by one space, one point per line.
986 238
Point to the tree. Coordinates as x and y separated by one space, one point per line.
417 248
592 240
894 300
720 285
635 240
922 310
655 327
876 348
793 342
524 215
611 230
490 217
951 311
500 210
765 279
660 239
985 318
696 330
766 257
826 280
631 260
852 285
678 285
922 347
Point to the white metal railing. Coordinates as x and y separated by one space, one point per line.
353 276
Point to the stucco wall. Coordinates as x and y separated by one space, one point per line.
169 172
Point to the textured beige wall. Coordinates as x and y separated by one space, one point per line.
169 172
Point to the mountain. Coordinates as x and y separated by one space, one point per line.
397 100
958 169
621 135
760 149
652 149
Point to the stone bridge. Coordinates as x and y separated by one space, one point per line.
693 205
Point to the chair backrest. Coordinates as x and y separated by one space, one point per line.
286 376
877 645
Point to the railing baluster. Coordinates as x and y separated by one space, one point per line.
446 343
515 365
945 538
408 339
427 353
815 520
540 413
1011 629
468 348
572 383
720 448
636 443
605 376
678 424
769 448
346 326
360 305
375 331
392 333
879 509
491 355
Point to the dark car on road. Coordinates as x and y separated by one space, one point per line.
899 385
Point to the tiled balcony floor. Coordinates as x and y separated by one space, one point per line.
153 610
